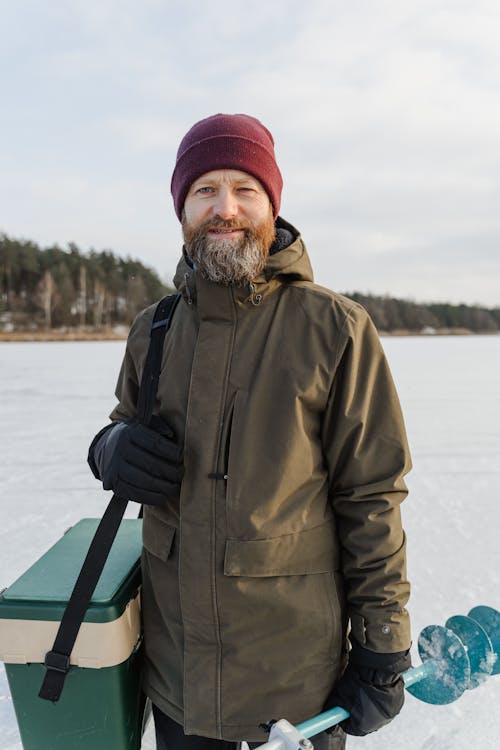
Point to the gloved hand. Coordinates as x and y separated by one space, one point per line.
137 462
371 689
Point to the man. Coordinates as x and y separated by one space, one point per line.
271 473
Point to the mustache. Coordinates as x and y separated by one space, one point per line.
192 235
220 223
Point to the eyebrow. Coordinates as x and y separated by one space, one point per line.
240 180
212 182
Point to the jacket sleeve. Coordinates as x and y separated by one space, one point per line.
367 455
127 392
127 387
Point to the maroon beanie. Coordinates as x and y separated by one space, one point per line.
227 142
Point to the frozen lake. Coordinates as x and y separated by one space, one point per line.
55 396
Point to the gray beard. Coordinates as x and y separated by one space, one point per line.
228 262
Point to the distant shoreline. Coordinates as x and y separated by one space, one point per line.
120 334
78 334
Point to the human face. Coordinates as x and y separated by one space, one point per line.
228 226
230 195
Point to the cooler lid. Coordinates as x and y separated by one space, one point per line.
42 592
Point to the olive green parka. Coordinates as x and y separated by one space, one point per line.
287 528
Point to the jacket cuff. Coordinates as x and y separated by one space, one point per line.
95 446
396 662
390 634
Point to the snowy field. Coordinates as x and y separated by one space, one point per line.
55 396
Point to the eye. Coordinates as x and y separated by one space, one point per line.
205 189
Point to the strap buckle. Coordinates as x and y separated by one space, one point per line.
57 662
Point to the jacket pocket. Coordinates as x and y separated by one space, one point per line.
157 536
232 451
310 551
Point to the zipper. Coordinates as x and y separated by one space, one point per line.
227 445
223 460
215 609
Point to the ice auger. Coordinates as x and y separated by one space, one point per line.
457 657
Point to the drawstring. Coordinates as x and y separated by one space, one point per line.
255 299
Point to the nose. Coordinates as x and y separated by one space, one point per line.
225 204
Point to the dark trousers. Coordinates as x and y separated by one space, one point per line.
170 736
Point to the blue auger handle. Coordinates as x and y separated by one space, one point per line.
322 721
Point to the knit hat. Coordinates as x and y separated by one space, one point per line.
227 142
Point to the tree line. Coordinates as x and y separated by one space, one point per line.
52 288
391 314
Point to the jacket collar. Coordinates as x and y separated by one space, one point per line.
290 263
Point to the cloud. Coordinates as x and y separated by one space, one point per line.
385 115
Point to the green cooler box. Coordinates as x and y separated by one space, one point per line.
101 706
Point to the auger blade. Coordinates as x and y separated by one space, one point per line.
451 674
489 619
479 647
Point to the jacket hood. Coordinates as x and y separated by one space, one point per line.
288 264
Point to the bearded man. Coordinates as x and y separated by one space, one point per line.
274 579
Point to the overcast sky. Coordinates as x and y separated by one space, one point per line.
385 114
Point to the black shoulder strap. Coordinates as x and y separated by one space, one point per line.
151 373
57 661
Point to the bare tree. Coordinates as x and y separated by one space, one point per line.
82 298
99 299
46 287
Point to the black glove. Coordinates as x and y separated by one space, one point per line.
371 689
137 462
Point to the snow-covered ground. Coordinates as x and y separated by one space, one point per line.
54 397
